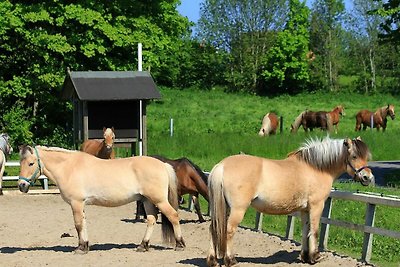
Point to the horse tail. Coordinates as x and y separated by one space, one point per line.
218 210
2 164
266 126
297 122
166 226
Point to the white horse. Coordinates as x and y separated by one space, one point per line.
5 149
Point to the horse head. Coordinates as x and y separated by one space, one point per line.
109 137
30 166
5 144
390 111
357 161
340 110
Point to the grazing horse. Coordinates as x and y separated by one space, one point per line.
5 150
301 182
87 180
101 148
310 120
269 125
335 116
379 118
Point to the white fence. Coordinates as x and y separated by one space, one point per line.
15 178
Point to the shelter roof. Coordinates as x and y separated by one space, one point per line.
110 85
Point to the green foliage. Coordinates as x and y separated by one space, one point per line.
15 124
286 66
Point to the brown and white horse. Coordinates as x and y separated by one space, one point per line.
379 118
86 180
101 148
5 150
269 124
301 182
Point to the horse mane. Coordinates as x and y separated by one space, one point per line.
328 153
57 149
203 176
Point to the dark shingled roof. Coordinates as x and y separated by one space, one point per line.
110 85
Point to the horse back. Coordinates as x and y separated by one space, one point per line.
274 121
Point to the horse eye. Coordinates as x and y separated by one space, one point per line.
31 163
354 157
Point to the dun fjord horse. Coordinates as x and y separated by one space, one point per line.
191 180
269 125
101 148
5 150
87 180
379 118
301 182
310 120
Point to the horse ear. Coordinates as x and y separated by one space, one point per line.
347 142
359 138
112 128
104 129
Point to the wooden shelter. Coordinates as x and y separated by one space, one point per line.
110 99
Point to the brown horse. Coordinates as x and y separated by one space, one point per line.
335 116
101 148
86 180
269 125
301 182
191 180
311 119
379 118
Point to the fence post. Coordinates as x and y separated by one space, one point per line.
191 204
281 125
372 121
259 219
324 234
290 227
368 237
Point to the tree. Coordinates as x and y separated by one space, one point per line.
244 29
286 67
390 12
40 39
326 28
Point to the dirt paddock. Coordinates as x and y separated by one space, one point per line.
35 230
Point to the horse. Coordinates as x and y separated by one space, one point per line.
379 118
86 180
191 180
101 148
301 182
5 150
269 124
310 120
335 116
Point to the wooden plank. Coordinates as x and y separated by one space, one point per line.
376 200
368 237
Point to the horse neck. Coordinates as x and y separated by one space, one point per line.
297 122
53 163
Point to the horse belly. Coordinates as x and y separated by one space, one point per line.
110 200
279 204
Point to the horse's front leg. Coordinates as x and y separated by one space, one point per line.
310 252
80 225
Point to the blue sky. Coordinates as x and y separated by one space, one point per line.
191 8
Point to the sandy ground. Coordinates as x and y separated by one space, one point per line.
31 227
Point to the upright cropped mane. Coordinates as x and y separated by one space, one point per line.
58 149
24 149
329 153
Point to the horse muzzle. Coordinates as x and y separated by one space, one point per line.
23 186
365 177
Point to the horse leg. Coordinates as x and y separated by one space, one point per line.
305 222
235 217
80 226
312 219
3 163
172 215
195 199
151 212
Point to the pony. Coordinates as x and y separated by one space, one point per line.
86 180
335 116
101 148
270 123
379 118
301 182
5 150
310 120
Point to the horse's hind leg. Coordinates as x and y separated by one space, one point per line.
2 164
235 217
195 199
151 213
172 215
80 225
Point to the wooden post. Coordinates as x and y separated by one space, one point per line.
281 125
324 234
368 237
85 121
290 226
372 121
259 219
191 204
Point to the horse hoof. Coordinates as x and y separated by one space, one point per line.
80 251
141 249
231 261
212 262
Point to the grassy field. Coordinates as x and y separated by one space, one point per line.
209 126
